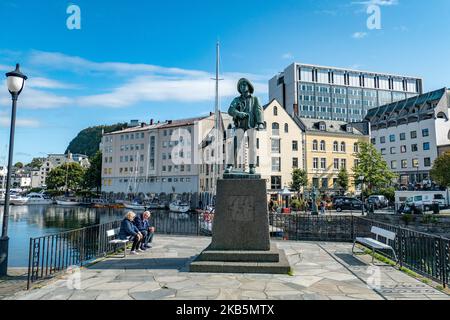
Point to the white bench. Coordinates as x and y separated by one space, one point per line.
112 234
376 244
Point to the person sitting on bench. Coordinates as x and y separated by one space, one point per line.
128 229
143 225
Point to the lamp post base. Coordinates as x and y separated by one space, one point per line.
4 242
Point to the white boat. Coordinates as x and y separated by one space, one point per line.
178 206
134 206
38 199
67 202
17 200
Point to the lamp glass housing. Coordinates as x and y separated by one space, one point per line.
15 84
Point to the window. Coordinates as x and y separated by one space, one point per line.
336 164
392 138
342 146
276 164
414 148
426 146
286 128
315 145
335 146
393 150
276 145
324 183
323 163
343 163
415 163
425 133
295 163
275 183
394 164
382 139
402 136
404 164
322 127
322 145
294 145
373 141
275 111
356 147
413 134
315 182
427 162
315 163
275 129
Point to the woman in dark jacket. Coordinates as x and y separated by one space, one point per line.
128 229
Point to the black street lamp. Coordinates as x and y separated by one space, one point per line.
15 82
361 178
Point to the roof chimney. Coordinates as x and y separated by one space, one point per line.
151 121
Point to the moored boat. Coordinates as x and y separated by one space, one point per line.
178 206
70 202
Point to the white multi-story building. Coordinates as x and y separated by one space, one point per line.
38 177
329 93
155 158
411 133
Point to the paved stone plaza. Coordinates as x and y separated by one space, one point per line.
320 271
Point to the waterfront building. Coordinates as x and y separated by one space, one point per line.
329 93
39 176
155 158
330 146
411 133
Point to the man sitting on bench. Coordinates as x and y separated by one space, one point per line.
129 230
143 225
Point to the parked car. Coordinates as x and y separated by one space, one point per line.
378 201
347 203
425 202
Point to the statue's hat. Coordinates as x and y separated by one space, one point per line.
250 85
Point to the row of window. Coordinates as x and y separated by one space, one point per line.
403 148
131 136
131 158
316 146
337 163
155 180
402 136
177 168
132 147
414 162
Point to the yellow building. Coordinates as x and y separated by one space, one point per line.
330 146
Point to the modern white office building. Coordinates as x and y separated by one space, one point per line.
328 93
411 133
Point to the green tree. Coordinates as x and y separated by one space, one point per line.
343 180
87 141
299 179
93 175
36 163
372 167
19 165
72 173
440 172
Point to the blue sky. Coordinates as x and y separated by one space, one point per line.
154 59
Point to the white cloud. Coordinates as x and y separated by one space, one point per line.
378 2
140 82
5 121
45 83
287 56
359 35
36 99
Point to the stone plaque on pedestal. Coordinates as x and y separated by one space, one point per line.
241 237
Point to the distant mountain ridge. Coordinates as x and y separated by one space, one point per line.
87 141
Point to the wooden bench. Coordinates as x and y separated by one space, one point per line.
113 234
376 244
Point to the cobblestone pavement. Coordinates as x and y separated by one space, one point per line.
321 271
16 281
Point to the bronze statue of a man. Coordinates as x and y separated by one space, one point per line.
248 118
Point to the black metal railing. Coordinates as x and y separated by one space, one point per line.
423 253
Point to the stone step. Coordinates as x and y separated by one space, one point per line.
273 255
280 267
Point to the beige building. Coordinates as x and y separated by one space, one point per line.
329 147
279 148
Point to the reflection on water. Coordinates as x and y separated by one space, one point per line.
27 222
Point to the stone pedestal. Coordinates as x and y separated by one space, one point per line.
241 238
